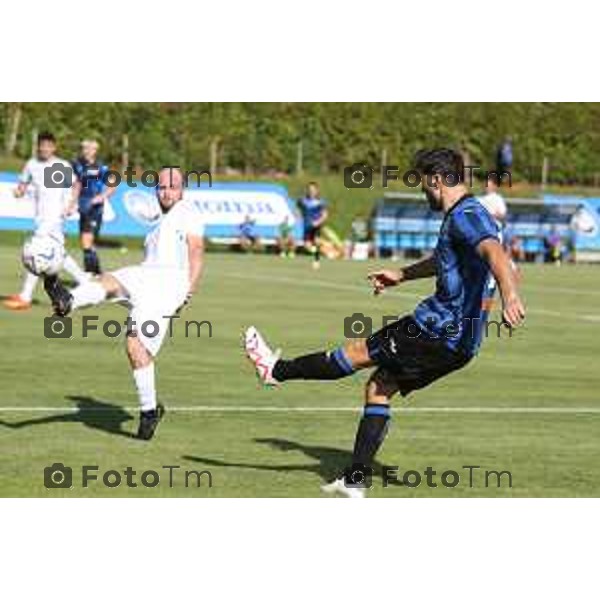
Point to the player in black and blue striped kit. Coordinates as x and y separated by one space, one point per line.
444 332
315 213
92 192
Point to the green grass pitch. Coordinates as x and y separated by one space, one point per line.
528 404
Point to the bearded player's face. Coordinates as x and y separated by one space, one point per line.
169 190
167 196
431 188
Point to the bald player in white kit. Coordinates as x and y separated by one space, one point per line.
52 205
155 290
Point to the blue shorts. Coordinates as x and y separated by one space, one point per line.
90 220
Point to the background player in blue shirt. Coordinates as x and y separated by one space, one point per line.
91 193
248 236
314 212
442 335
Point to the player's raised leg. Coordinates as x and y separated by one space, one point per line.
88 293
323 365
97 290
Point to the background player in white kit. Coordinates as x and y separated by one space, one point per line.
494 202
496 206
52 204
155 290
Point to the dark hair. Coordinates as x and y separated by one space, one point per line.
46 136
439 162
493 177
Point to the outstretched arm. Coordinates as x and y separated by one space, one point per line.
513 311
419 270
389 278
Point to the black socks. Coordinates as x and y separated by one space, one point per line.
321 365
91 262
371 432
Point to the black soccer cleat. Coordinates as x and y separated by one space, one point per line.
149 422
59 295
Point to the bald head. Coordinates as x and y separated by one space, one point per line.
170 187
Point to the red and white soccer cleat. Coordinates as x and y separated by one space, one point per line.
261 356
15 302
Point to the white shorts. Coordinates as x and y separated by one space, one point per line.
154 294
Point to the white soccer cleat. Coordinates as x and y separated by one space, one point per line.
338 487
261 356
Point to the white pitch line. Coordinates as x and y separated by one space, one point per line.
314 409
593 318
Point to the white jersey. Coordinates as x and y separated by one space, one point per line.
166 245
495 205
49 202
158 287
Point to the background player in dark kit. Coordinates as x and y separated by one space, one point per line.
91 193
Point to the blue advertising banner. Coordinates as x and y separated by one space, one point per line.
130 210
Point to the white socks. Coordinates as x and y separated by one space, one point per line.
28 287
90 292
144 382
73 269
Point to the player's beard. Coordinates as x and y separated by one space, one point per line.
435 204
166 208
